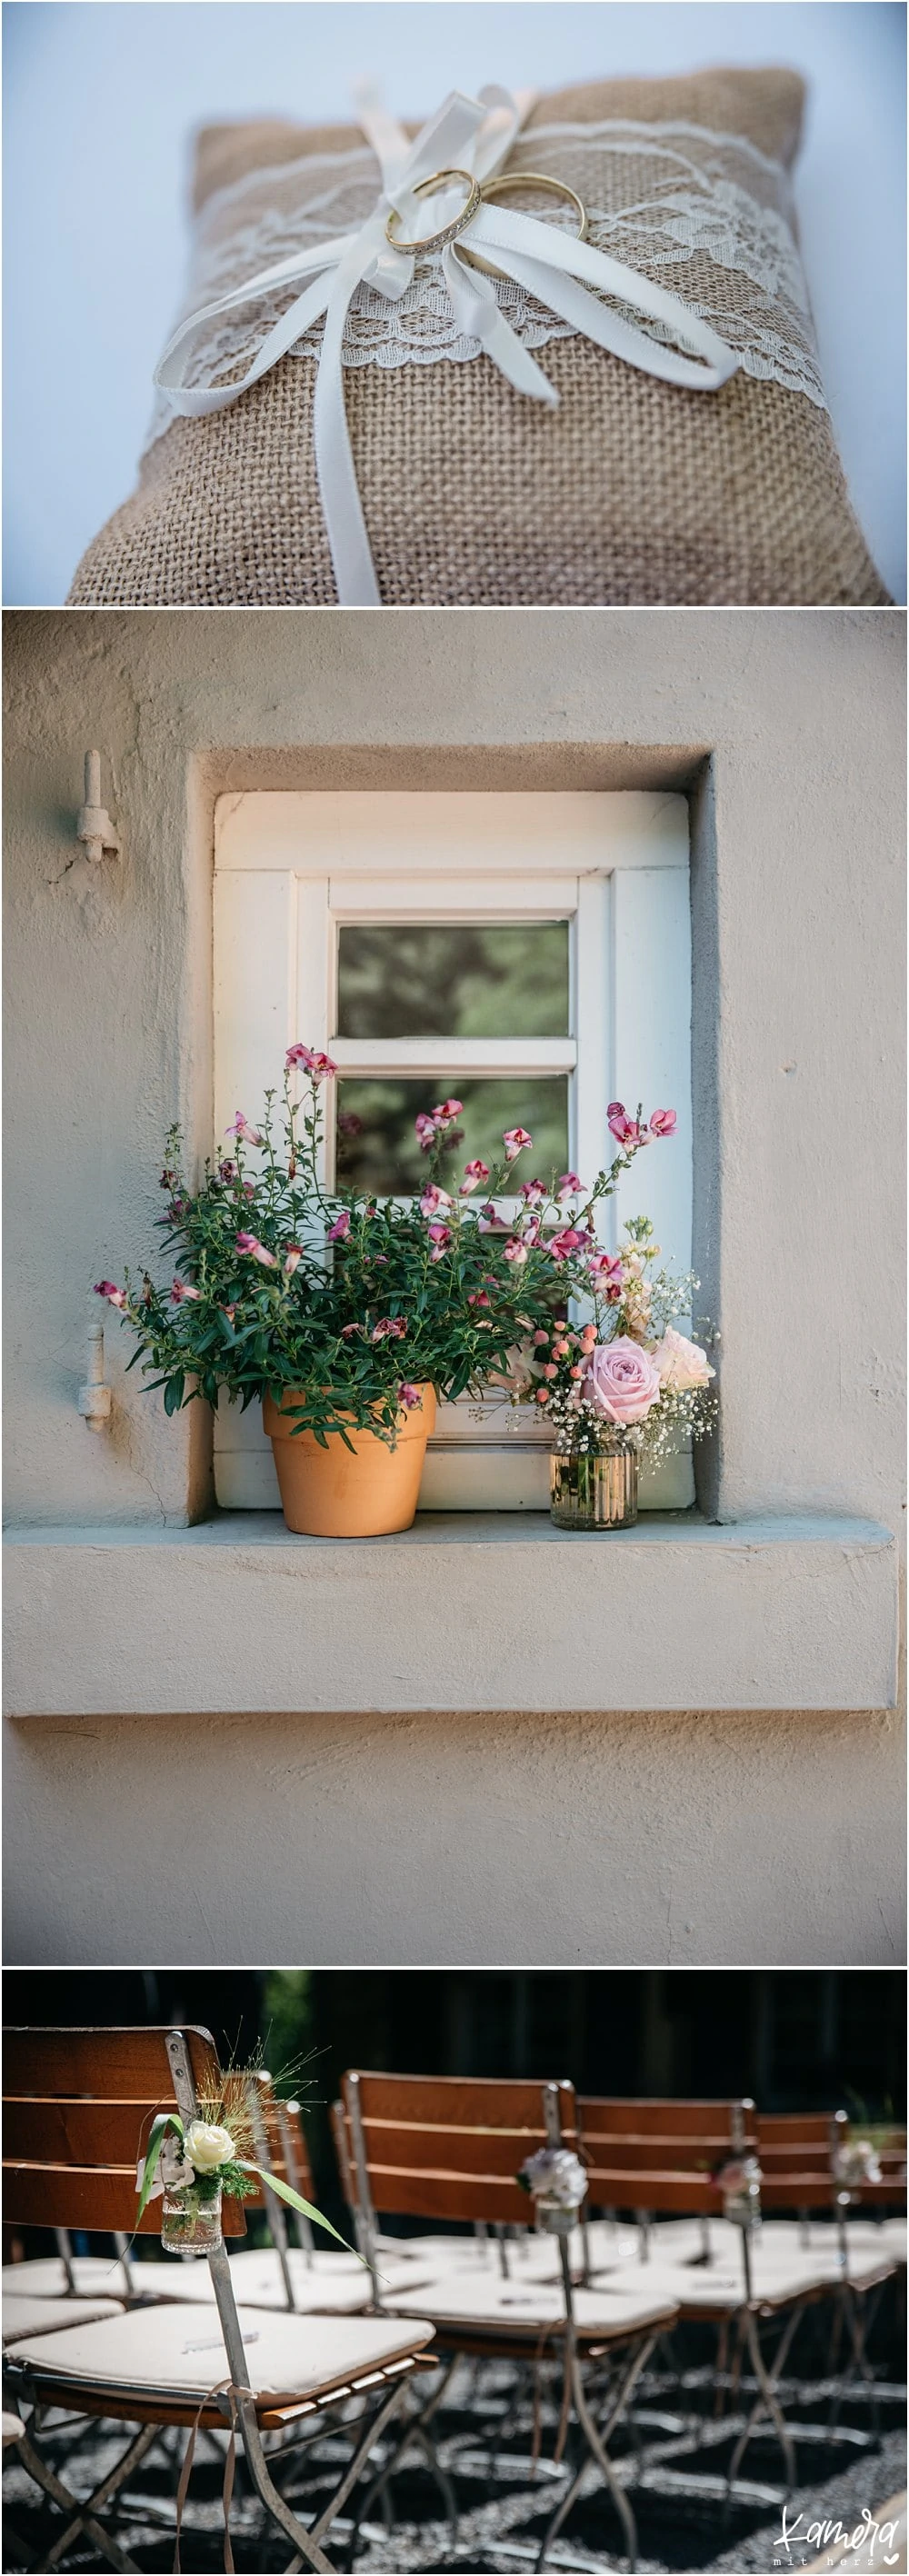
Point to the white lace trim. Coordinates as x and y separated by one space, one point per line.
707 214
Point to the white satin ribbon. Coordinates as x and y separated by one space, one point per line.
475 135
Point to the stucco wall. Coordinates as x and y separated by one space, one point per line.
469 1837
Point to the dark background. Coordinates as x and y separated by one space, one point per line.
800 2039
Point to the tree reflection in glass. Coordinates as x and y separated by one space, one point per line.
377 1146
453 979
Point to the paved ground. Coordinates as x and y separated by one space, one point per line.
673 2462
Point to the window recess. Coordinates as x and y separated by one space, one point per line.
530 953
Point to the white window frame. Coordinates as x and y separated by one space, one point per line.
292 867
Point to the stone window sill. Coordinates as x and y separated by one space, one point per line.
463 1611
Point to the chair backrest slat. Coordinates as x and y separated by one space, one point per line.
660 2156
608 2116
449 2147
119 2064
78 2111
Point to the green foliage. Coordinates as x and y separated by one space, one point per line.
288 2025
409 1294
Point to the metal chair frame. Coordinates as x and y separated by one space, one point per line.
640 2343
236 2405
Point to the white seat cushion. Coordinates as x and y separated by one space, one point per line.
27 2316
258 2282
533 2307
179 2350
720 2285
12 2429
44 2277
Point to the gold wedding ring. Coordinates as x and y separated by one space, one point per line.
506 186
510 180
449 232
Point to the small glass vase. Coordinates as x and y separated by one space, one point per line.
189 2223
556 2217
596 1490
744 2207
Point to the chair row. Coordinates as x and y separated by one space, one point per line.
301 2335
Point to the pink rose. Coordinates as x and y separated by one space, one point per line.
621 1381
680 1363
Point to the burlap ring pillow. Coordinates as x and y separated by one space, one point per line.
633 491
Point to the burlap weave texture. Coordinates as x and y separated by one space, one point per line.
633 493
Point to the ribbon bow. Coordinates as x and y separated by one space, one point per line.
476 136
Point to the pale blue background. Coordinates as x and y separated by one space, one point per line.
99 99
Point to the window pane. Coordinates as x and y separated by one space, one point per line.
466 980
377 1147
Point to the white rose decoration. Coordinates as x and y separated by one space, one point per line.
680 1363
208 2146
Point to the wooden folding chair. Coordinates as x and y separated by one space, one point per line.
660 2159
449 2148
799 2154
78 2108
676 2136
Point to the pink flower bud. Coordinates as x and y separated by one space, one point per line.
542 1395
292 1259
409 1395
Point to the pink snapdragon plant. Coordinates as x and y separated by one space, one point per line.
354 1303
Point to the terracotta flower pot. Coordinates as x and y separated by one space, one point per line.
329 1493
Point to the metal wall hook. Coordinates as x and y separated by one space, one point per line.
93 823
94 1396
